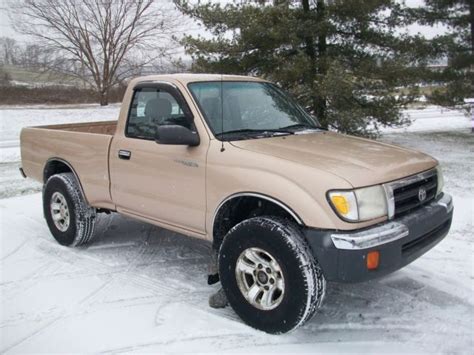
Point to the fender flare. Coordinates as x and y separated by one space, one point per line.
60 160
290 211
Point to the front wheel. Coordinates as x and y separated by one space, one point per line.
269 274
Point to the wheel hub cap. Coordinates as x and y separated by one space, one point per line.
260 278
60 211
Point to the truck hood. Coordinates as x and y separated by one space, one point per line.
361 162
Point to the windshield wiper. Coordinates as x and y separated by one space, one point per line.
249 131
300 125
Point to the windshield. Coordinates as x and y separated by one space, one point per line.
249 109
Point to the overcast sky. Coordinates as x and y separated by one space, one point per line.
7 30
5 26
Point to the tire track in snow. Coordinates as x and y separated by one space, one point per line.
89 265
83 261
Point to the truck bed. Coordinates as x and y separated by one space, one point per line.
85 146
103 127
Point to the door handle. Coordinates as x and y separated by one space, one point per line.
124 154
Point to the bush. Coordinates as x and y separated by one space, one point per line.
21 95
5 78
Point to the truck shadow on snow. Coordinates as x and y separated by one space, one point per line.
174 268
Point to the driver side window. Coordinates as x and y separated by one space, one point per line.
150 108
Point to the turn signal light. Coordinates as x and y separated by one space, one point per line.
341 204
373 260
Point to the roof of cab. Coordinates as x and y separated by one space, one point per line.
185 78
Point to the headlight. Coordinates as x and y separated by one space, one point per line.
439 173
359 204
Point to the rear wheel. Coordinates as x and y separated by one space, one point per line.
69 218
269 274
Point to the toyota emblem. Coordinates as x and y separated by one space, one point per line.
422 194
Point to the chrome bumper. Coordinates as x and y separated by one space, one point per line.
384 233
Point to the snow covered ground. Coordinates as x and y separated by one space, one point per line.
139 288
14 118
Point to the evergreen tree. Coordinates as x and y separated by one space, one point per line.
457 47
343 60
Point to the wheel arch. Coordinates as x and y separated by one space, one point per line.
243 205
56 166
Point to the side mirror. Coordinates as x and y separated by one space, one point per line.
177 135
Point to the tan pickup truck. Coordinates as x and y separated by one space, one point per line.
234 160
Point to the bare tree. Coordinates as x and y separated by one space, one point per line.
5 77
31 56
99 41
9 50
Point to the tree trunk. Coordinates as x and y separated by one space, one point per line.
318 103
471 20
321 104
104 97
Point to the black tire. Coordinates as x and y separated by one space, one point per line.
304 281
81 216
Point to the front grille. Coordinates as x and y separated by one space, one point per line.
406 197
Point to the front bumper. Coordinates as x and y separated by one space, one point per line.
342 254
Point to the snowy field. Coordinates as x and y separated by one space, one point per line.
13 119
139 288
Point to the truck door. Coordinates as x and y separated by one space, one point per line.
164 183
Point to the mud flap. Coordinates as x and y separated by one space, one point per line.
213 271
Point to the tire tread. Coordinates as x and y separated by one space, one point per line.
313 278
85 214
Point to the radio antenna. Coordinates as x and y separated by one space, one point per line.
222 110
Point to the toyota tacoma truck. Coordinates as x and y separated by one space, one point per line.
234 160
